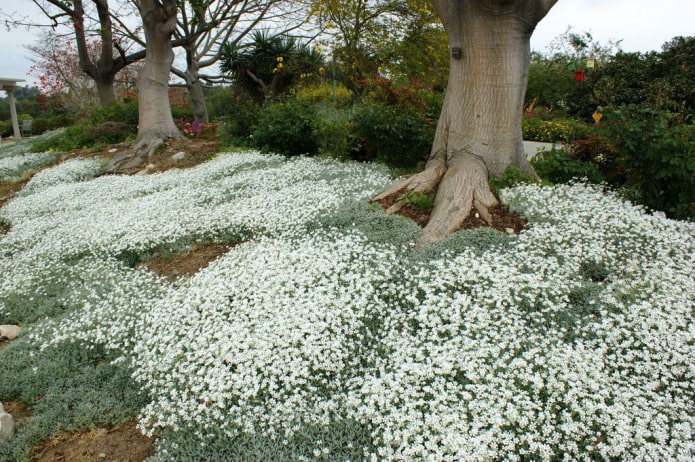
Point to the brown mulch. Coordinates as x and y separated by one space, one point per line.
502 219
119 444
185 263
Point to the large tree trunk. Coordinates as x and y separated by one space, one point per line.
156 123
479 130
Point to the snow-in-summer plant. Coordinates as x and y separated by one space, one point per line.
17 159
72 170
323 334
13 168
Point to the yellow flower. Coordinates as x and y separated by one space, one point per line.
321 70
280 59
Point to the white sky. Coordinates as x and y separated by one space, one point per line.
643 25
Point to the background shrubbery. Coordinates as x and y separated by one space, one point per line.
286 127
642 142
390 124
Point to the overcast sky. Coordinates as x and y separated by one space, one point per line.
642 25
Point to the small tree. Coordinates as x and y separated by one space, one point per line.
60 75
110 56
269 66
356 28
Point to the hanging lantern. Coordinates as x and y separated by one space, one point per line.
579 76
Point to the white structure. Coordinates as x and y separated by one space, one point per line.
10 85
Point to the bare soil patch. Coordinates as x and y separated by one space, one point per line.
7 190
119 444
18 411
185 263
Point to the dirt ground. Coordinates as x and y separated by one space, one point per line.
185 264
126 443
120 444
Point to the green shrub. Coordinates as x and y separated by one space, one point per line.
599 150
221 102
395 124
70 138
111 132
178 112
536 129
657 156
5 128
126 113
86 136
237 115
511 176
334 134
559 166
238 122
326 95
387 134
56 121
39 125
287 128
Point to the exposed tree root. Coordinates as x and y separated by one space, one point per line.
424 182
460 187
133 159
464 186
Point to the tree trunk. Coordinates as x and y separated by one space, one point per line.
105 91
195 88
105 68
479 129
156 123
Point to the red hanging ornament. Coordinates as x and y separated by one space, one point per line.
579 76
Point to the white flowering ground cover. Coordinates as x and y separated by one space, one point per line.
325 335
16 159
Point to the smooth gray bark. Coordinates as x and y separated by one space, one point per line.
479 129
156 123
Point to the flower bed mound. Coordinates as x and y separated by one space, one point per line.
327 336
